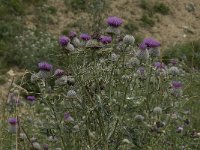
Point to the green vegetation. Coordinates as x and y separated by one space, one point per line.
12 25
150 9
189 52
77 5
108 95
147 21
161 8
131 26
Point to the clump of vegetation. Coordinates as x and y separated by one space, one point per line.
148 18
144 4
31 47
131 26
147 21
189 52
11 25
161 8
77 5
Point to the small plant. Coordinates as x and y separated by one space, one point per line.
131 27
144 4
147 21
77 5
161 8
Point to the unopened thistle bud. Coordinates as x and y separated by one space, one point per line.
139 118
128 40
174 71
157 110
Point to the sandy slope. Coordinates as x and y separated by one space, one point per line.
170 29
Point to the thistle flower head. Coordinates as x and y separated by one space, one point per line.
129 40
12 121
44 66
133 62
139 118
59 72
105 39
63 40
85 36
72 34
151 43
30 98
141 70
159 65
174 71
114 21
177 85
173 62
71 94
157 110
154 52
142 46
142 54
68 117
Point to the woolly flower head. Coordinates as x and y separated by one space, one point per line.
85 36
174 71
71 94
114 21
59 72
105 39
72 34
12 121
30 98
142 54
139 118
129 40
157 110
44 66
63 40
177 85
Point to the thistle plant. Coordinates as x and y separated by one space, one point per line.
105 97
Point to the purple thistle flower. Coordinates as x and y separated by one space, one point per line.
177 85
12 121
114 21
30 98
173 62
151 43
141 70
159 65
44 66
143 46
59 72
106 39
72 34
63 40
67 117
85 36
